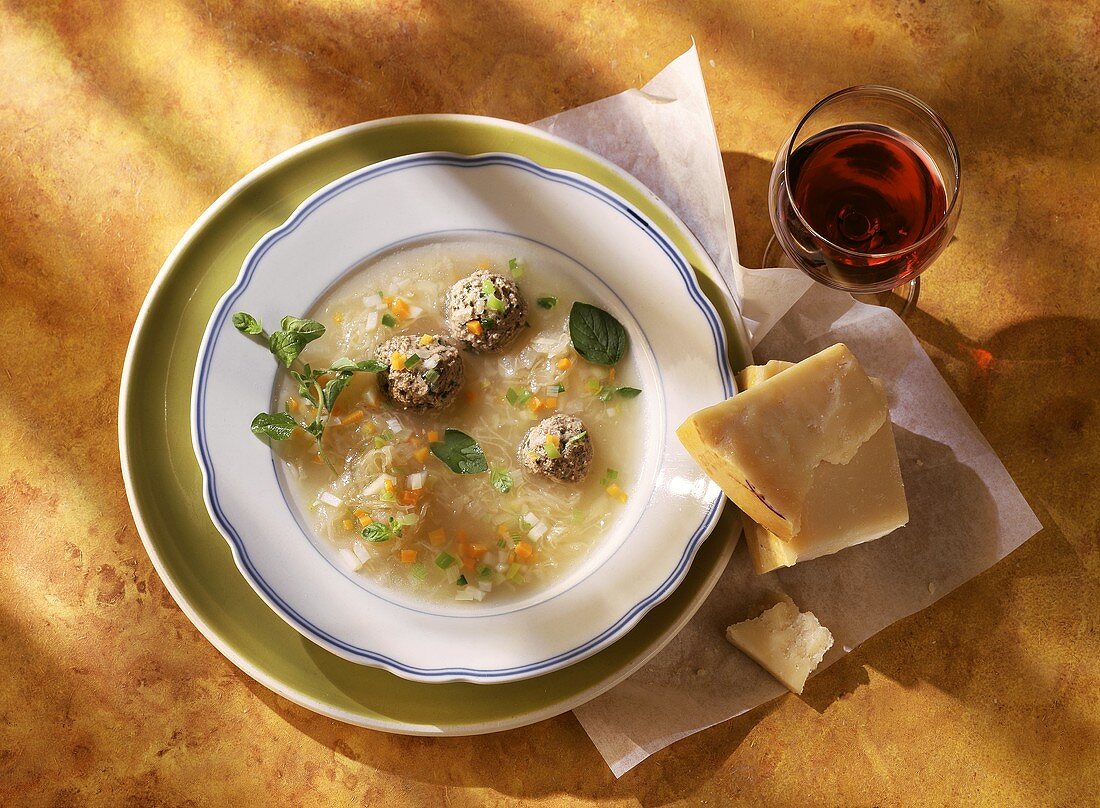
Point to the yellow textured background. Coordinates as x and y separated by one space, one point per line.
120 121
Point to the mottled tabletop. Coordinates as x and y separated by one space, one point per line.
120 122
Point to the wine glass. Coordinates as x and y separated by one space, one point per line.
864 194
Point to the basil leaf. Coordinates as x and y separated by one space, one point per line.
277 425
460 453
377 531
501 480
515 268
371 365
548 302
629 392
308 330
246 323
343 363
333 389
316 428
596 335
285 345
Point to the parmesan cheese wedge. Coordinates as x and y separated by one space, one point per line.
787 643
763 445
847 504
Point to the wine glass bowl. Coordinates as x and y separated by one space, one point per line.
865 193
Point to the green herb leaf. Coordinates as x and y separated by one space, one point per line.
444 560
515 268
460 453
629 392
277 425
246 323
501 480
389 320
371 365
378 531
316 428
343 363
597 336
308 329
605 393
548 302
334 388
285 345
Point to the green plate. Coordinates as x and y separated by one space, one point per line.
164 485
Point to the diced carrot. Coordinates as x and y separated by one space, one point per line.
438 537
483 263
553 439
370 428
477 550
409 497
359 513
338 318
615 491
550 403
565 363
474 327
397 360
349 525
468 564
292 404
461 535
364 521
524 550
502 529
464 549
433 436
471 395
317 458
352 418
390 487
611 375
421 454
400 307
534 403
426 339
408 556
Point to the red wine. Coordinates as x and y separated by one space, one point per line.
869 190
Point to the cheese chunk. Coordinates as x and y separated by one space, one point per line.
786 643
859 501
762 445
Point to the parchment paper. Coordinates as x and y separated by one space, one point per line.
965 511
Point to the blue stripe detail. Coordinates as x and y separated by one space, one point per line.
459 161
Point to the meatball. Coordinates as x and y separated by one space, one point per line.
485 311
558 447
423 372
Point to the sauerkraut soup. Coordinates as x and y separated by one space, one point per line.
561 436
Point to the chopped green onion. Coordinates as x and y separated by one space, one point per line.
408 519
418 571
430 375
444 560
389 320
412 361
502 544
577 516
552 450
517 397
388 496
548 302
577 437
511 573
381 294
488 322
484 571
556 389
494 303
461 581
515 268
610 476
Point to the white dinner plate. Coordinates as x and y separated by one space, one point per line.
638 275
